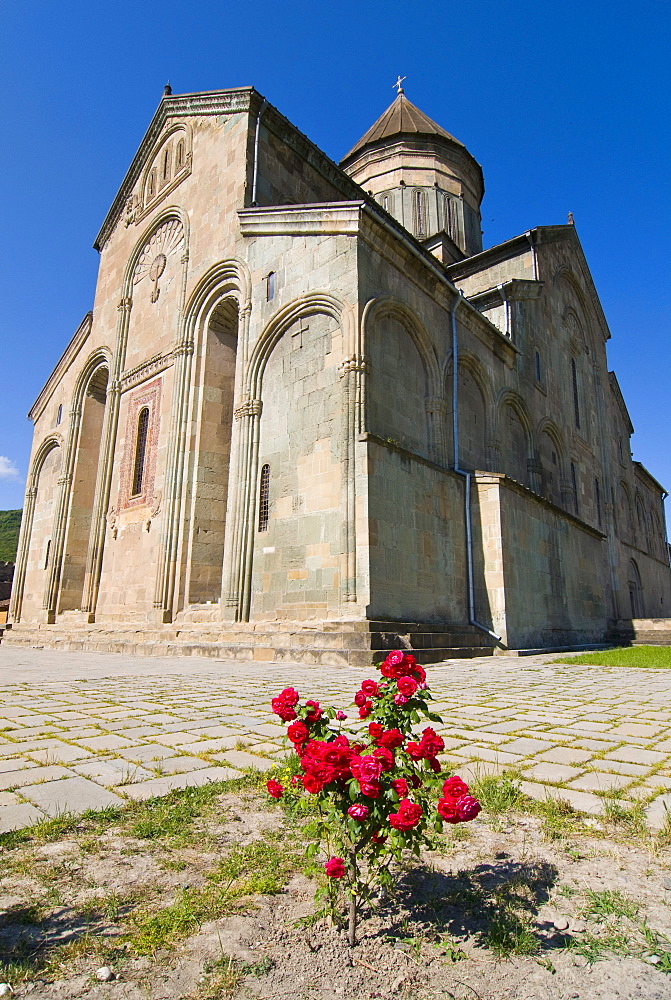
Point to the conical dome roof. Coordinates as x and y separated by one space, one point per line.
400 118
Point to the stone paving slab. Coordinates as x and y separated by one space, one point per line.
128 728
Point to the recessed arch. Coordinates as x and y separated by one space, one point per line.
168 213
552 458
514 436
377 309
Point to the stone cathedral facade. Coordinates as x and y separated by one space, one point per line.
309 417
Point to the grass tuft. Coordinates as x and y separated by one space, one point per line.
646 657
498 793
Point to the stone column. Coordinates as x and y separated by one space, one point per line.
22 554
101 501
248 414
234 505
166 575
352 371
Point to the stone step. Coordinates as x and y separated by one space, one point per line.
298 644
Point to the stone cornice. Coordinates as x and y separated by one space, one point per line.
331 218
67 357
515 290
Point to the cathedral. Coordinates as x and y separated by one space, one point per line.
310 419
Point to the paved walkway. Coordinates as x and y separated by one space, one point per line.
85 730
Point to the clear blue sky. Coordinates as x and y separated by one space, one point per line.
565 105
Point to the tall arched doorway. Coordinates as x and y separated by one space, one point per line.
213 454
85 476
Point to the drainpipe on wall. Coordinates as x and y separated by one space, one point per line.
256 151
462 472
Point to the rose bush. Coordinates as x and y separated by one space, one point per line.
377 791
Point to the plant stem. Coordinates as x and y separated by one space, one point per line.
354 885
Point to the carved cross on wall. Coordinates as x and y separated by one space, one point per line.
297 335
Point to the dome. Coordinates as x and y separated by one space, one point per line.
423 176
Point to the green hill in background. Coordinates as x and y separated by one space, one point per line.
10 522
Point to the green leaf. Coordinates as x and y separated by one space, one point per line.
354 790
432 717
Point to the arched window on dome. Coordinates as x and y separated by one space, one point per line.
450 217
420 213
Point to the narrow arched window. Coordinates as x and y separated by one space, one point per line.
537 361
166 164
270 286
59 413
576 401
151 185
140 451
450 221
264 492
420 219
574 485
179 158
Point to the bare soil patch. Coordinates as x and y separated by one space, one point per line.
205 894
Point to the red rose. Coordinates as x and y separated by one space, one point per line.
371 789
311 784
391 739
454 788
400 786
274 789
375 730
447 809
395 658
407 686
290 696
467 808
416 782
340 716
407 817
400 699
285 712
386 756
315 711
358 811
431 743
415 751
377 838
334 867
365 710
434 764
367 768
359 699
419 673
370 689
408 664
298 732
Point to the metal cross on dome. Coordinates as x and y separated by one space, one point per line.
399 85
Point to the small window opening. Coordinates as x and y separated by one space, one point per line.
179 158
385 203
151 186
59 414
619 448
140 451
597 497
576 404
420 220
166 164
539 373
264 491
270 287
554 457
574 484
450 223
47 553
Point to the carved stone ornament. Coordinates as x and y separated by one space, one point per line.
160 247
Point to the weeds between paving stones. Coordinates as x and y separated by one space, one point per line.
191 908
